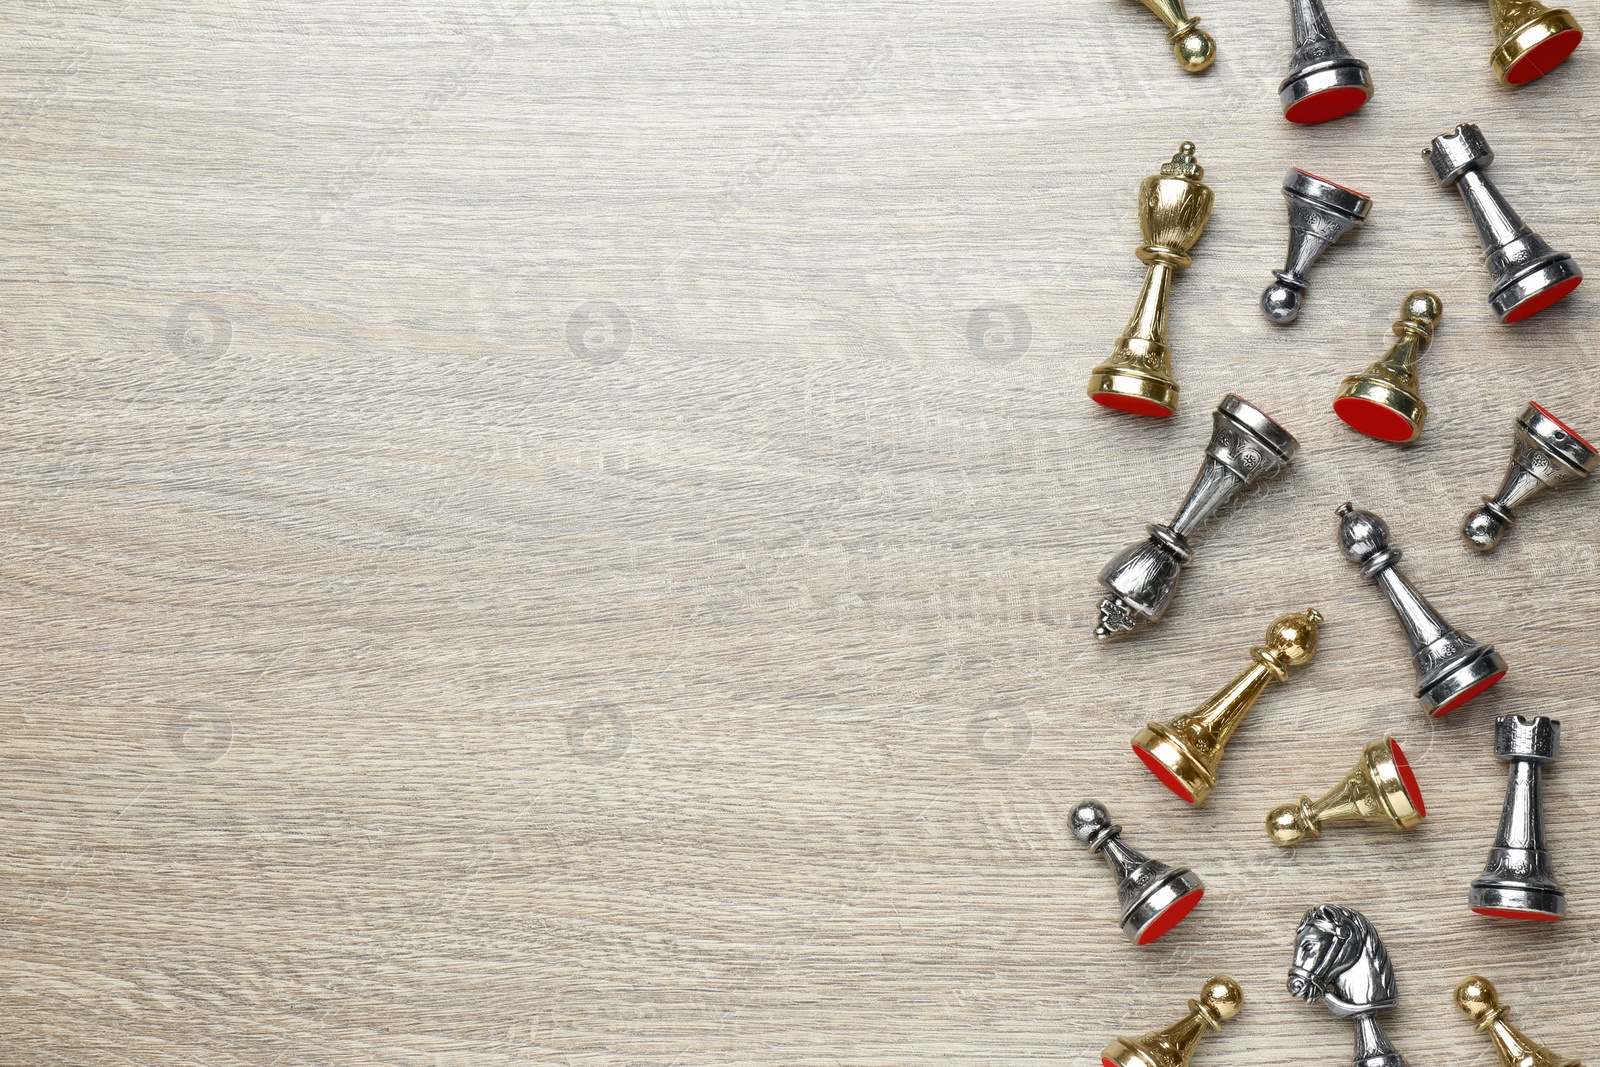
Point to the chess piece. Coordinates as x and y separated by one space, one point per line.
1544 452
1339 959
1380 788
1325 81
1246 447
1528 276
1320 212
1174 206
1517 884
1452 668
1193 46
1532 39
1386 401
1480 1001
1184 752
1154 897
1219 1001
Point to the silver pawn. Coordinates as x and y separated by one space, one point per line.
1320 212
1246 447
1325 81
1545 452
1517 884
1528 276
1452 668
1154 897
1340 960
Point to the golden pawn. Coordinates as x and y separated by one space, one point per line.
1533 39
1386 401
1381 788
1219 1001
1184 752
1174 207
1193 46
1478 1000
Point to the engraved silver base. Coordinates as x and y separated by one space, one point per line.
1302 85
1510 901
1524 287
1155 902
1442 694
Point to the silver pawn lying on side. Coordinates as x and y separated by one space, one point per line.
1452 668
1154 896
1545 452
1320 212
1246 447
1339 960
1517 883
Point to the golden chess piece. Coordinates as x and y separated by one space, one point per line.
1193 46
1174 207
1219 1001
1386 401
1532 39
1184 752
1478 1000
1381 788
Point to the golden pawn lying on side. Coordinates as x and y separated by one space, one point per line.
1533 39
1478 1000
1386 401
1174 207
1381 788
1193 46
1184 752
1219 1001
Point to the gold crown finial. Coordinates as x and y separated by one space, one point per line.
1380 788
1480 1002
1220 1000
1183 163
1184 752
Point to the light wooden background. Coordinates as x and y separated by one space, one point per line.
517 549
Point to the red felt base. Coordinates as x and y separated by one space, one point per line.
1106 1063
1506 913
1570 431
1133 405
1373 419
1175 913
1539 301
1327 105
1452 705
1168 779
1544 57
1408 779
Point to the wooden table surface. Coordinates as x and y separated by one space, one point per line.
567 533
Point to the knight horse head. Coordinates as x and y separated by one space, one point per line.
1339 958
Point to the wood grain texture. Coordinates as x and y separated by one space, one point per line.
522 545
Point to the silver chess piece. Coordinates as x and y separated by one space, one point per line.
1452 668
1320 212
1528 276
1325 81
1545 452
1339 960
1154 896
1517 884
1246 447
